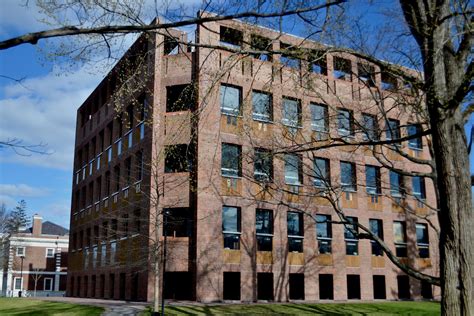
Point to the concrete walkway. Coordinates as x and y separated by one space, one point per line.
111 307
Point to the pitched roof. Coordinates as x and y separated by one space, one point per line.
49 228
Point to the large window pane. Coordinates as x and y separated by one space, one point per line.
376 227
393 129
324 233
352 243
372 176
292 169
369 127
348 176
291 112
295 231
264 229
400 239
231 160
415 143
263 165
396 184
422 240
231 227
321 173
230 100
319 118
418 187
345 122
262 106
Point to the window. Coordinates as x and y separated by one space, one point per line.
20 251
418 188
291 112
319 118
318 63
345 122
231 98
393 129
137 221
113 251
107 183
293 169
48 284
353 287
262 44
369 127
324 233
389 82
296 286
262 106
231 227
348 176
294 222
119 146
264 229
230 37
379 287
350 231
139 165
128 170
400 238
103 254
117 178
178 222
170 46
263 165
231 162
322 177
372 178
177 158
231 286
366 74
376 227
342 68
94 257
396 184
326 287
49 252
179 98
403 284
422 240
265 286
18 283
288 57
415 143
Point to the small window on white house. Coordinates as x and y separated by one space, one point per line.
20 251
48 284
49 252
18 282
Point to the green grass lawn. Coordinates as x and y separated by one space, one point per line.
22 306
388 308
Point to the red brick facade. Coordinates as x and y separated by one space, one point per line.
118 202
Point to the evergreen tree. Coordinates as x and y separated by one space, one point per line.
17 218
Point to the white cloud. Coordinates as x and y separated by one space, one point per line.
45 112
22 190
17 18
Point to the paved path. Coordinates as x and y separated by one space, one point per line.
112 308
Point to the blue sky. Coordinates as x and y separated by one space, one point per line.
42 109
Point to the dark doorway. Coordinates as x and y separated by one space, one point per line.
93 285
403 283
232 286
379 287
178 285
122 286
265 286
111 286
78 287
102 286
426 290
296 286
326 287
134 288
353 287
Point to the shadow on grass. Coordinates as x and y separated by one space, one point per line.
50 308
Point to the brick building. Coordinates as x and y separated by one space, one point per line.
35 259
207 137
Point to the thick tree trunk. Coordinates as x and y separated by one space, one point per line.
455 216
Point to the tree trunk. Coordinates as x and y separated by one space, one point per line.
455 216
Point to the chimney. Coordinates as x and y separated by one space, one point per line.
37 223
